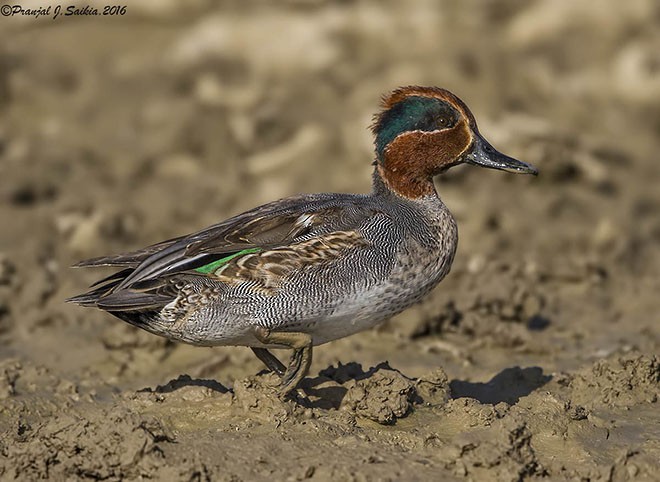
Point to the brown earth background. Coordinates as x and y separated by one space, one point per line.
536 359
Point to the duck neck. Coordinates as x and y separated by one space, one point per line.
407 187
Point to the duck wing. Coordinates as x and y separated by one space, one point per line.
130 260
275 225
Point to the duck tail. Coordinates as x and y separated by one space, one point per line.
101 288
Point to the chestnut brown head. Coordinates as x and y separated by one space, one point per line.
422 131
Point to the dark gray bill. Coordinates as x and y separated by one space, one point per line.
483 154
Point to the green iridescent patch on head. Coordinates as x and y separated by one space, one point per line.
414 113
213 266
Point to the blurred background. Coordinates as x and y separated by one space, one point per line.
120 131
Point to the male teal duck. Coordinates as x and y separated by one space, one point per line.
312 268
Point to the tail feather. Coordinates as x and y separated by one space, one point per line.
131 300
91 298
140 297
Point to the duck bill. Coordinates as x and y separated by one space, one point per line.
483 154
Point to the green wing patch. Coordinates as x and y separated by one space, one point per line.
214 265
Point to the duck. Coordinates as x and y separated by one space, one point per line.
312 268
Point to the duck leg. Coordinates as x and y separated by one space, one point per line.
268 359
301 359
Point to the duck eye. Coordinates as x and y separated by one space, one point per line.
443 121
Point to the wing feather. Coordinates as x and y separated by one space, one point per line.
131 259
303 224
276 224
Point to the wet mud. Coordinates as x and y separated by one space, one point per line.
535 359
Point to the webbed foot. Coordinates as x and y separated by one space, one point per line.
301 359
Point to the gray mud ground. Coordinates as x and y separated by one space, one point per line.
535 359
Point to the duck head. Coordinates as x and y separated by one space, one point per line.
421 132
